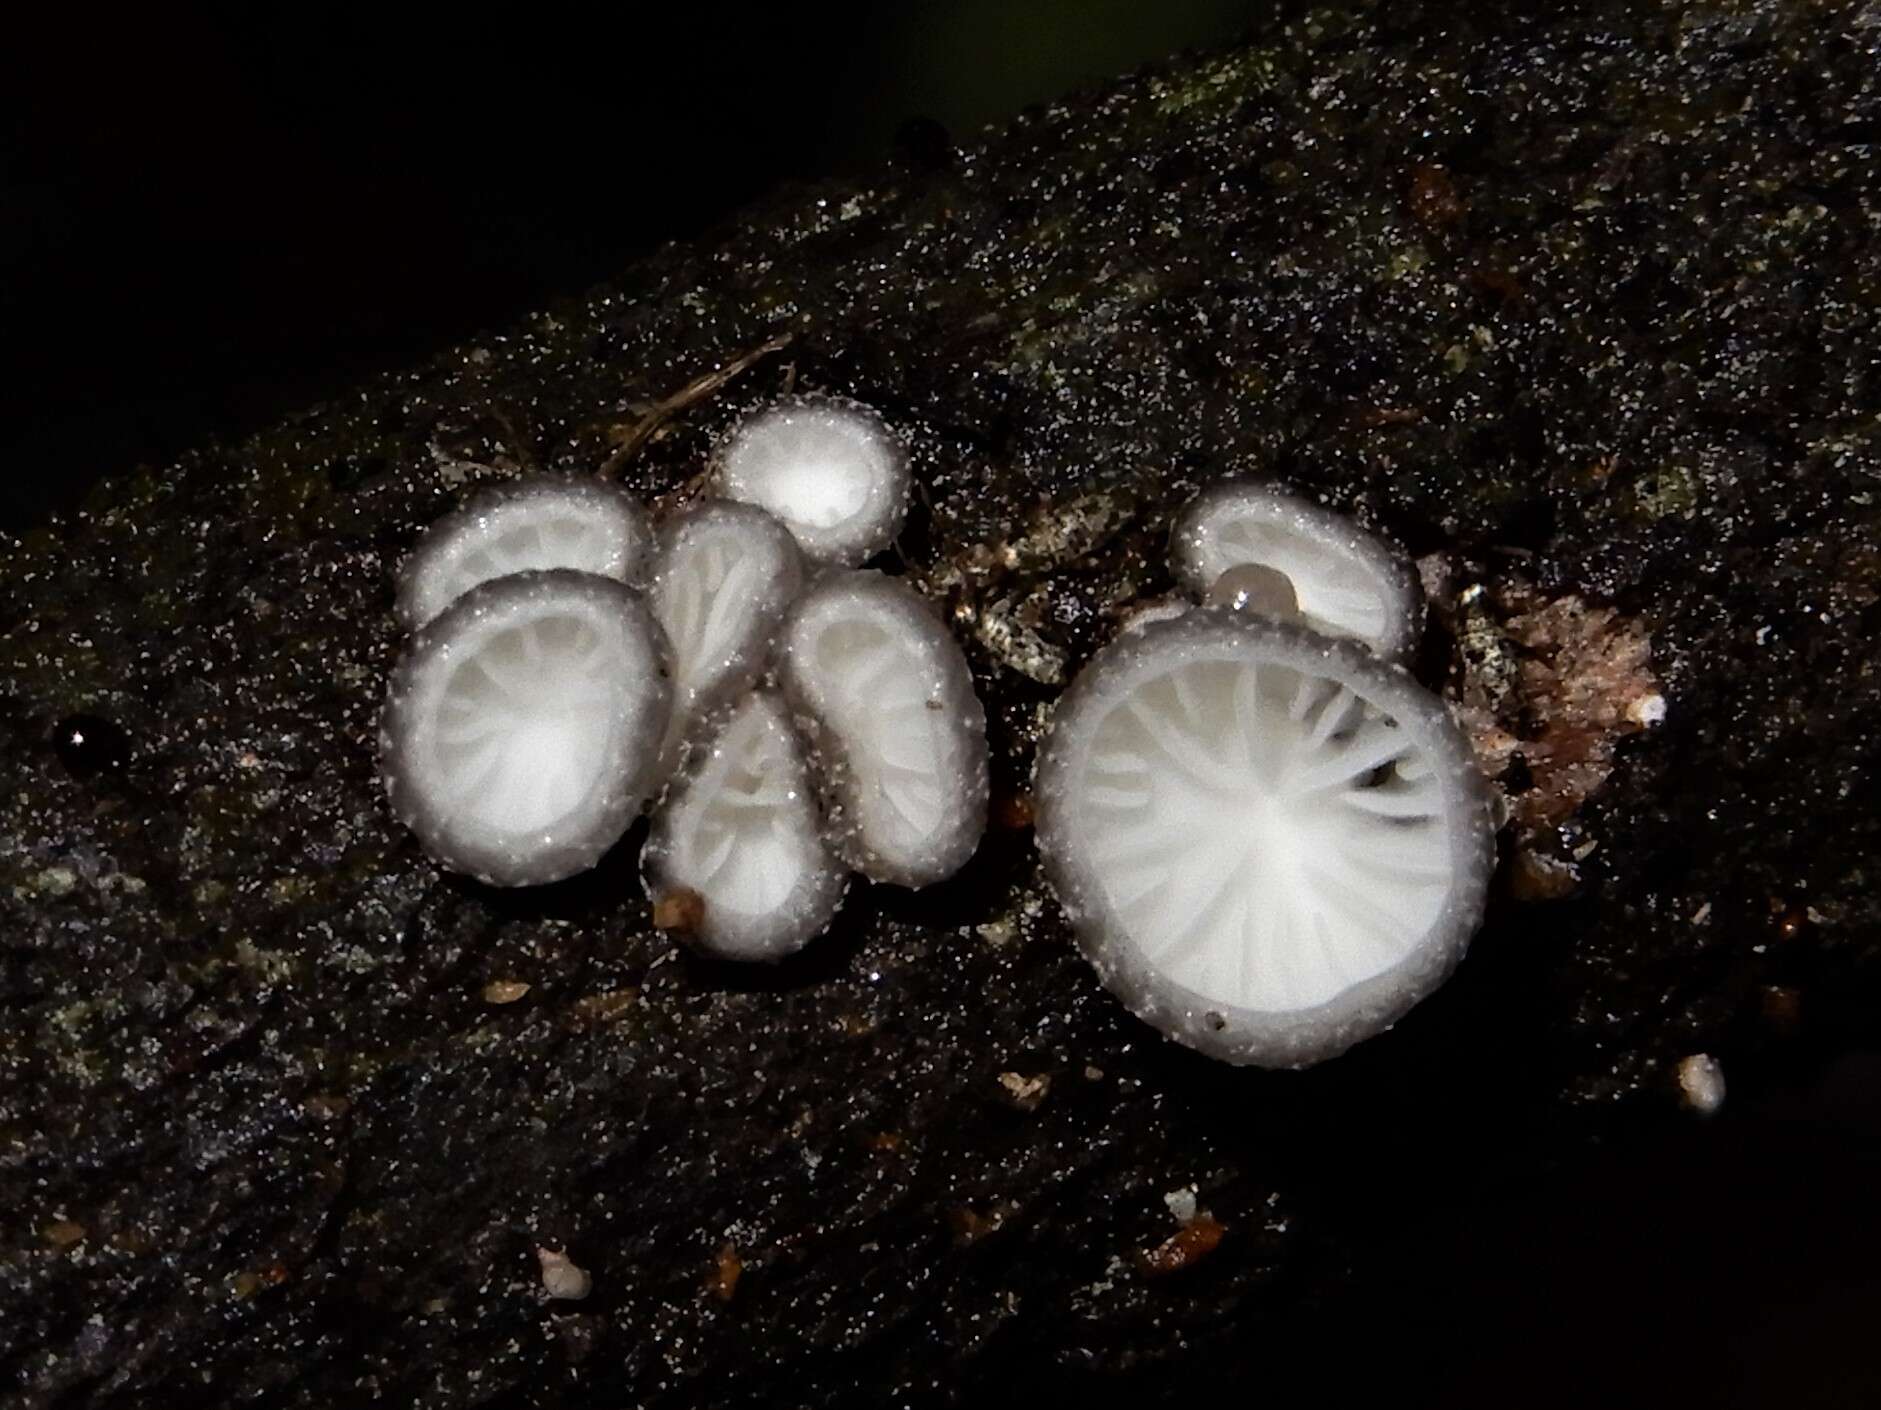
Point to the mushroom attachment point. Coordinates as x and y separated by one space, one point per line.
1270 844
740 831
898 736
724 575
1254 587
539 521
829 468
1343 581
522 727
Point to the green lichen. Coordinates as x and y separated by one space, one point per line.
1668 490
1216 87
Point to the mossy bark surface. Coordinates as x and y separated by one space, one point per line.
1583 312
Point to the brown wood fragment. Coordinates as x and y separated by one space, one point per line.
970 1226
1368 417
563 1280
603 1008
1790 921
1025 1092
727 1268
64 1233
681 909
1012 812
1188 1246
1534 876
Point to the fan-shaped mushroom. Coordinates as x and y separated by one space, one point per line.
899 735
740 831
522 726
1269 843
724 575
830 468
1231 543
539 521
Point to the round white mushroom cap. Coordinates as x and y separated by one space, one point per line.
539 521
829 468
522 726
740 829
898 735
724 575
1345 582
1270 844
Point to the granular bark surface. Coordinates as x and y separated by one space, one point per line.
1584 312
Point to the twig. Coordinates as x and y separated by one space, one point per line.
519 444
697 389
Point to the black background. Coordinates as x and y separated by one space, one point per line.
213 214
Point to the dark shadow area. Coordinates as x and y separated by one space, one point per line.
1721 1263
213 214
1725 1262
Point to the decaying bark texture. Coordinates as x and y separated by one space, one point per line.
1584 312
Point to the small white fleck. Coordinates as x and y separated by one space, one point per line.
1647 710
562 1279
1701 1083
1181 1204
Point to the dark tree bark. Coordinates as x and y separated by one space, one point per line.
1582 311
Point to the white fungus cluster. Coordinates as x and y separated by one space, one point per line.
543 701
1270 840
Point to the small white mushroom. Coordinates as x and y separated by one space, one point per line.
1269 843
740 830
1344 581
829 468
522 726
723 577
898 734
539 521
